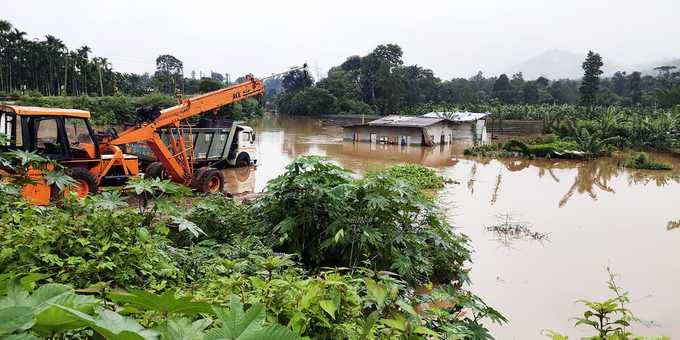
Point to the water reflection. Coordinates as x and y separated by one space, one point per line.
591 177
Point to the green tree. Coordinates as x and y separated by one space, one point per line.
635 87
502 89
296 81
169 72
590 84
209 85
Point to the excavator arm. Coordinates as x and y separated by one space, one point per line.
176 159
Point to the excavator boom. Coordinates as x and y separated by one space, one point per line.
176 159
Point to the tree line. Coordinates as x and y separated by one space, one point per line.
380 83
48 67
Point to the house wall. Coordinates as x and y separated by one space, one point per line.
439 133
391 134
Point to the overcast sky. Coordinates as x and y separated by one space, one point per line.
453 38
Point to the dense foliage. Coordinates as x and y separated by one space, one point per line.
418 176
159 264
319 212
50 68
119 110
380 83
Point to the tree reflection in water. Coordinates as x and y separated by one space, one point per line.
591 176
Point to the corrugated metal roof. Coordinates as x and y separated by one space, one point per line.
405 121
457 116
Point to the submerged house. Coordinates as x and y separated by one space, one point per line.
429 129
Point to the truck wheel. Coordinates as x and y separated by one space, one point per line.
243 159
156 170
85 182
209 180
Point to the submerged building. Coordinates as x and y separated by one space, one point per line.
429 129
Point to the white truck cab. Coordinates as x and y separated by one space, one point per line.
243 150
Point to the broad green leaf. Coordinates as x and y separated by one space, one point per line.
311 294
165 303
376 292
397 323
28 281
184 329
339 235
112 325
237 324
426 331
48 292
109 200
329 306
52 319
274 332
20 336
184 224
15 318
407 307
58 178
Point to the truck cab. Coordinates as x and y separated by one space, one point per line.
244 150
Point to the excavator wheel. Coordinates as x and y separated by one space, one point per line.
156 170
209 180
85 182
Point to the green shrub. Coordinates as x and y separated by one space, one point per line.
488 150
420 177
339 304
544 147
82 245
222 218
641 161
104 110
329 219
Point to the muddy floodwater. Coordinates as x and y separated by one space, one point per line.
543 232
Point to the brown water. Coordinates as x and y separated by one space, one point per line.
543 231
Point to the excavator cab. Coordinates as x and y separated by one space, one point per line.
65 136
57 134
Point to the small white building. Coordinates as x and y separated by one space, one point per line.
429 129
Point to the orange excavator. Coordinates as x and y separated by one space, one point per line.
67 137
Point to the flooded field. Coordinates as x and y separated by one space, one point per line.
543 231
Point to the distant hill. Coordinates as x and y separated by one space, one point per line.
558 64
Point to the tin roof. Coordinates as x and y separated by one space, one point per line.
405 121
44 111
457 116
